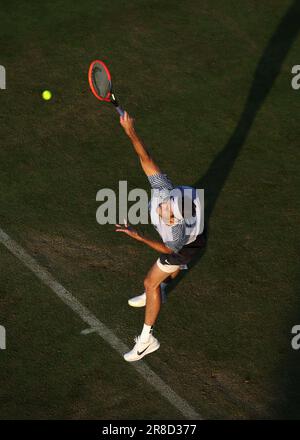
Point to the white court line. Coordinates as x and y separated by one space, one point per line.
87 331
104 332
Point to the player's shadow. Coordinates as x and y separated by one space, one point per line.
265 75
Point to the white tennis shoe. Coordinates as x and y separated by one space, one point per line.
141 349
138 301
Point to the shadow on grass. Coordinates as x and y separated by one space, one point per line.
214 179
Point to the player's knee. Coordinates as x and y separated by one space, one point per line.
148 284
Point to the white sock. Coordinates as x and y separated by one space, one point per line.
145 335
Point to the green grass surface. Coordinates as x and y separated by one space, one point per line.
209 85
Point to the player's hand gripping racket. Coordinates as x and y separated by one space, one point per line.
100 84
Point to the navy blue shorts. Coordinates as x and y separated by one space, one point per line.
186 254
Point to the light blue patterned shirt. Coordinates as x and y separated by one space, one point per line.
174 236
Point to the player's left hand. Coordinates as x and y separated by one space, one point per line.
127 229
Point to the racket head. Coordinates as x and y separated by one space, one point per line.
100 80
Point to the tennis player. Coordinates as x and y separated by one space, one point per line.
175 213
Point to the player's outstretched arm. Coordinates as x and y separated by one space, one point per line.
156 245
148 164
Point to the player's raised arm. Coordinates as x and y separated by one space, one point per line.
148 164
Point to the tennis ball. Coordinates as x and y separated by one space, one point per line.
46 95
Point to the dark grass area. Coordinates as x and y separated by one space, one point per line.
52 371
209 85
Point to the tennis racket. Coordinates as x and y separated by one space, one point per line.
101 85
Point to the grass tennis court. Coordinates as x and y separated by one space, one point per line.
209 85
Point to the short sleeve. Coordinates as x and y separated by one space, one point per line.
160 181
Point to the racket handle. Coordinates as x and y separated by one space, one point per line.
120 111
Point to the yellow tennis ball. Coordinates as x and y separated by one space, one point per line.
46 95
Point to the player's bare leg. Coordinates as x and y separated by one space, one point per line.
140 300
146 343
152 283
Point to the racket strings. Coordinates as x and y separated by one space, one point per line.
101 82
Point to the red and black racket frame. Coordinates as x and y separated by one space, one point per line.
110 97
